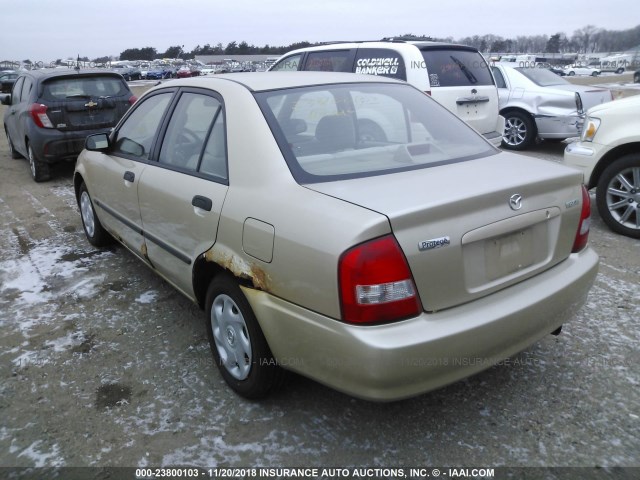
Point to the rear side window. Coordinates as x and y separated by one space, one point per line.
79 86
380 61
287 64
330 61
456 68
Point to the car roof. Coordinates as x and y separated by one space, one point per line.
398 44
261 81
62 72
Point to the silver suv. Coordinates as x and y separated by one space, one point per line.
457 76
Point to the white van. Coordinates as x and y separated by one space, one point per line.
457 76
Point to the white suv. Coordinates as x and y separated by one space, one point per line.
457 76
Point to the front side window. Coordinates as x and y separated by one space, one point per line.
26 89
135 137
451 67
335 132
16 90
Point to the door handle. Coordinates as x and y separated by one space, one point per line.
129 176
202 203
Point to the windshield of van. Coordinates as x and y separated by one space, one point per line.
449 67
339 131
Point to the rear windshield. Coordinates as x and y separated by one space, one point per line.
456 68
334 132
83 86
542 76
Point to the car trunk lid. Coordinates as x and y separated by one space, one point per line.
461 227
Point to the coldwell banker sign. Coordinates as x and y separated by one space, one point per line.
377 66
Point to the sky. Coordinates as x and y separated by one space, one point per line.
46 30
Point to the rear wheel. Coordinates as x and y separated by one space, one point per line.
519 131
39 170
618 196
595 74
237 343
12 150
93 229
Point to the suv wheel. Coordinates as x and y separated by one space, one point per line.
519 131
618 195
39 170
14 153
237 342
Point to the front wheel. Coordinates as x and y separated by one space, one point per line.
595 74
519 131
237 343
636 78
618 196
93 229
39 170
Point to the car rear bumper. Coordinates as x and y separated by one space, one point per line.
51 145
404 359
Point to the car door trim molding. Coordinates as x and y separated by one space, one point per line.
140 231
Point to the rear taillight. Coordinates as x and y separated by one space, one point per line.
582 235
376 284
428 92
38 112
132 99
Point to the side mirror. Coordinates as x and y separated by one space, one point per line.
6 99
98 142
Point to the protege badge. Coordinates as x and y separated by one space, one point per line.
434 243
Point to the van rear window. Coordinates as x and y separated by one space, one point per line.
456 68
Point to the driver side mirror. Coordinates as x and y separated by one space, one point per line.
98 142
6 100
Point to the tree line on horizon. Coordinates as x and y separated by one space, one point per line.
588 39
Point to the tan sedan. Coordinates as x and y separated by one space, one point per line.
383 269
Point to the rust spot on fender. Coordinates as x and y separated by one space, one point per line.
239 268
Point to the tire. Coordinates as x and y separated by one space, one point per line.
571 73
595 74
618 195
39 170
636 78
519 131
237 343
620 70
93 229
14 153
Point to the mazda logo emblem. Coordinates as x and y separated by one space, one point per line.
515 202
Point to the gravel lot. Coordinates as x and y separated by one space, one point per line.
104 364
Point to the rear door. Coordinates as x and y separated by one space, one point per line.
461 81
181 196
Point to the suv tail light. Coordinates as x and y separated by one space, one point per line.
376 284
38 112
582 235
132 99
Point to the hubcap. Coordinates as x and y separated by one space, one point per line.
623 197
86 210
231 336
515 131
